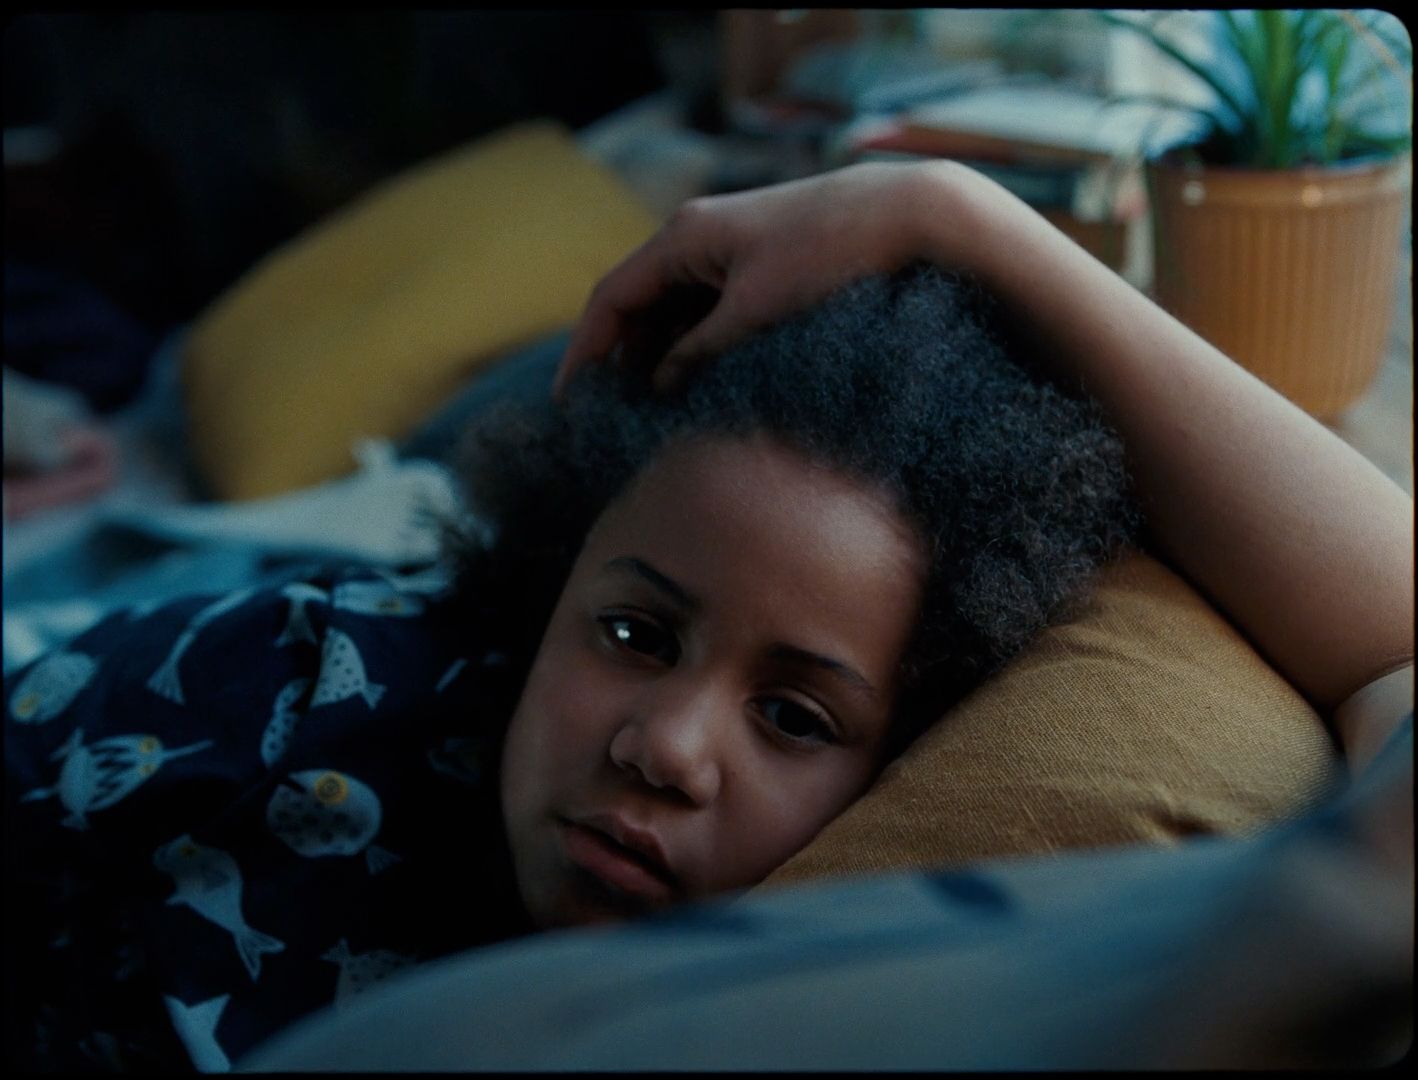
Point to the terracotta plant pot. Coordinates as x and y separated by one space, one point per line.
1289 272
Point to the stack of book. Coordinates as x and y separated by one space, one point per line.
1054 146
1072 155
874 76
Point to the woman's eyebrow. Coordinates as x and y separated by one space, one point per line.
845 672
667 585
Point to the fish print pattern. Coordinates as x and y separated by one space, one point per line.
359 972
433 582
95 777
452 673
51 686
196 1026
342 673
374 598
284 717
298 626
235 942
208 881
323 812
165 681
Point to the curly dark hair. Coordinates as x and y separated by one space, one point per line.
1015 485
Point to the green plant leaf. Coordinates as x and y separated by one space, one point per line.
1213 122
1374 24
1359 143
1248 48
1279 80
1329 48
1150 34
1322 34
1292 86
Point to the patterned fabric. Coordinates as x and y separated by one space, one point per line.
236 809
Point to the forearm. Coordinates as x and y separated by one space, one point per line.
1299 539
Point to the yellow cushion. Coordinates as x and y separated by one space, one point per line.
1147 719
364 324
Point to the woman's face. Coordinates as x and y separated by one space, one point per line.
714 686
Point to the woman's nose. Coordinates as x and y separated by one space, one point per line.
673 739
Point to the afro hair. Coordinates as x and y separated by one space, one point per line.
1016 487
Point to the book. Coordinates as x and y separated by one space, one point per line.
1042 122
872 75
984 146
1090 188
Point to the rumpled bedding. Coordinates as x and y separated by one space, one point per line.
153 540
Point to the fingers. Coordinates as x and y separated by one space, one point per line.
601 325
758 296
719 329
683 252
632 285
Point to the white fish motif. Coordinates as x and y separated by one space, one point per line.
342 673
432 581
359 972
196 1026
374 598
32 630
324 812
51 686
298 628
451 674
165 681
209 882
95 777
284 717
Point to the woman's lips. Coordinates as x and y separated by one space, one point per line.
602 857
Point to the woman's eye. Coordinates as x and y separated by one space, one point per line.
640 636
795 722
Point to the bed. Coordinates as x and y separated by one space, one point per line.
1106 858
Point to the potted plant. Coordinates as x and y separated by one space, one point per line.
1276 228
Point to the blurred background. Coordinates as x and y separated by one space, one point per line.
158 154
152 158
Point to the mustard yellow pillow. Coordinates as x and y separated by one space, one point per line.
1148 718
367 322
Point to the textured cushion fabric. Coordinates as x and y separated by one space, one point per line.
365 324
1147 718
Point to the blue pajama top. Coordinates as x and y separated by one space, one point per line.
228 812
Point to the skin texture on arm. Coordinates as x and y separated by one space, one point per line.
1303 543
